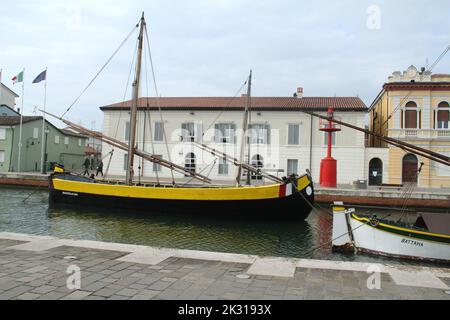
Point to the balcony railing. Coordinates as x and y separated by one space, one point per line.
420 133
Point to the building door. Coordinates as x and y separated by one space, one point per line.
375 172
410 169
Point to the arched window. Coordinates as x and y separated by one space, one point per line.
189 162
443 115
258 162
411 115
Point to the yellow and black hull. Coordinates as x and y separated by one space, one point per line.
293 198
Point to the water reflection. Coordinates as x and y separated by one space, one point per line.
239 235
267 237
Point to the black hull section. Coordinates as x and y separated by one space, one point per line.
297 206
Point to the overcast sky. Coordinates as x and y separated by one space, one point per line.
206 47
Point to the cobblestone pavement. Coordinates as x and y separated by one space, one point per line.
42 275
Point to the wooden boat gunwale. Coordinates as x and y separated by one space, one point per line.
192 193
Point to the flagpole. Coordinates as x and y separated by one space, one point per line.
43 125
21 122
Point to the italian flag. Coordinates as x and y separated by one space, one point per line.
18 78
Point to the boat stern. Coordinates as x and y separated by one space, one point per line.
341 229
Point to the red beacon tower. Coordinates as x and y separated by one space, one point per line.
328 165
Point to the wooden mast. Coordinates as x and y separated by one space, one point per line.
244 128
134 107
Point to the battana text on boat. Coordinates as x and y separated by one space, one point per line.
288 196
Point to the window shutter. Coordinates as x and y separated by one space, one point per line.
420 119
216 133
183 131
434 120
267 128
401 119
233 134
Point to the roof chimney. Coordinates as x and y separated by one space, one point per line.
299 92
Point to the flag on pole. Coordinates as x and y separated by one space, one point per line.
18 78
41 77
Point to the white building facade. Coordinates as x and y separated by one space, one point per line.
7 99
283 140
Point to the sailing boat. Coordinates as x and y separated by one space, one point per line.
428 239
291 196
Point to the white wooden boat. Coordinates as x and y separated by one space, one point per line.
428 239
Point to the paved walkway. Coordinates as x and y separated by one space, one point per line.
35 267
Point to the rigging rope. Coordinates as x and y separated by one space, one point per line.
158 101
147 111
226 107
101 69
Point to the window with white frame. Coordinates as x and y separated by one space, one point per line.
159 132
411 116
259 133
189 131
293 134
223 166
57 139
2 156
66 140
125 162
225 133
292 166
2 134
443 115
127 131
35 133
79 142
441 169
157 166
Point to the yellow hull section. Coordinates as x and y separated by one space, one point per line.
175 193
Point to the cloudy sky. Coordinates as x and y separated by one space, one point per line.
206 47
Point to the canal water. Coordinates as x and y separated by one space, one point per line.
297 239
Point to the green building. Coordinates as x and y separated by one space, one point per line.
62 146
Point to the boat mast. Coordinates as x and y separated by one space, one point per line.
134 107
244 129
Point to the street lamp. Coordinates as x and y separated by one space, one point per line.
44 169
